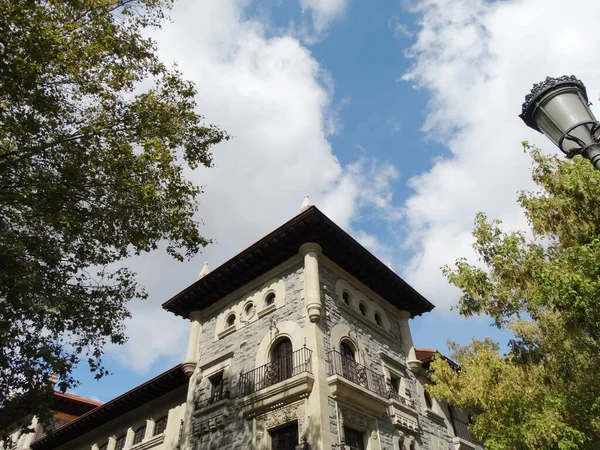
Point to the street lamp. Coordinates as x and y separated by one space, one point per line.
559 108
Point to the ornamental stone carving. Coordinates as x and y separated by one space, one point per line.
300 414
355 418
279 416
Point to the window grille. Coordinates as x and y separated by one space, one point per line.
160 425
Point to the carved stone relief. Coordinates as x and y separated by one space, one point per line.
350 416
279 417
301 416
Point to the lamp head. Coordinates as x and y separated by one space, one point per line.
559 108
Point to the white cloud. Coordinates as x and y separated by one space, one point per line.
477 60
323 12
272 95
399 29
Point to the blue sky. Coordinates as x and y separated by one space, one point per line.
398 118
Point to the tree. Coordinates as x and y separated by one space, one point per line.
95 136
543 286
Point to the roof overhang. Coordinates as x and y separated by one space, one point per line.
73 404
310 225
129 401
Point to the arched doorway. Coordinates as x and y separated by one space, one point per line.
348 355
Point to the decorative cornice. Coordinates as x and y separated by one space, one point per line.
391 361
310 247
269 309
216 360
282 244
227 331
188 367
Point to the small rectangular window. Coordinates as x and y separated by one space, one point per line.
285 438
395 384
216 387
354 439
120 442
160 425
138 436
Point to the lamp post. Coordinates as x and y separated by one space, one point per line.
559 108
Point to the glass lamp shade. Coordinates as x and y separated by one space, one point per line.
558 107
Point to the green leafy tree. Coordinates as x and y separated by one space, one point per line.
543 286
95 133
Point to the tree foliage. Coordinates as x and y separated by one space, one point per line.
95 134
543 285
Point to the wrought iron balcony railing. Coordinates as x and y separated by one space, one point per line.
462 431
357 373
392 394
215 396
276 371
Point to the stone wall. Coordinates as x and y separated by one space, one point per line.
245 343
247 347
434 433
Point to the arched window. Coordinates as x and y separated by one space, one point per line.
160 425
378 320
362 308
249 309
347 350
281 367
231 320
138 436
428 401
346 298
270 299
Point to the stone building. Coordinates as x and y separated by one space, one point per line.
301 341
149 416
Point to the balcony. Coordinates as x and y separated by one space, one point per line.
464 439
355 384
211 413
400 400
282 380
217 399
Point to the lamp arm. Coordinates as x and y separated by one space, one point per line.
578 151
591 151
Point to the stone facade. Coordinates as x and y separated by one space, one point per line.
325 401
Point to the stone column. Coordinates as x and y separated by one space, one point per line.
191 356
312 291
411 357
129 437
112 443
317 427
149 429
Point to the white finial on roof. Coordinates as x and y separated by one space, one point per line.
204 270
390 267
305 204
